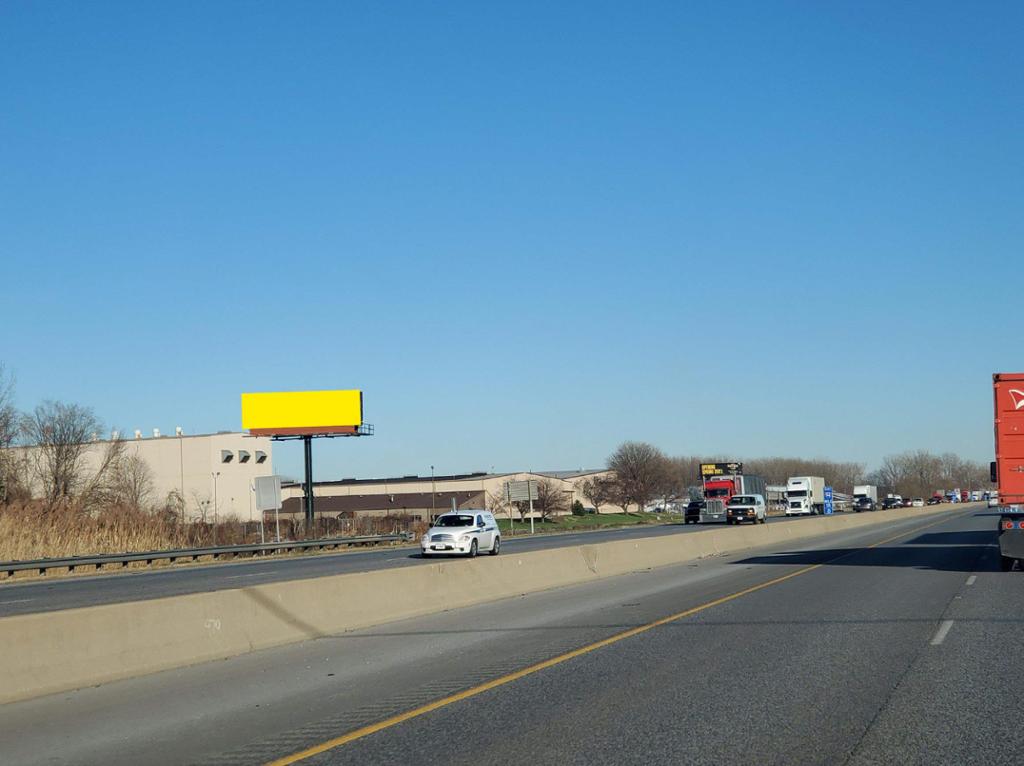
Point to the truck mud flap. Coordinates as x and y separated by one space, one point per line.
1011 543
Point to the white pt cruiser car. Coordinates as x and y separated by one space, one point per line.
465 532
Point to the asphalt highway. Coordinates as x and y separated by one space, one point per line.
898 644
43 595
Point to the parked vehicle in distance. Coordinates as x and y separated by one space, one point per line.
892 502
993 501
750 508
805 495
865 490
933 500
864 503
462 532
693 511
917 502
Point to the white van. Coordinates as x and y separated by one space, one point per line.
466 532
742 508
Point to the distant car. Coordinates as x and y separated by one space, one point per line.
993 501
934 501
891 502
693 510
864 504
463 532
742 508
917 502
589 509
907 502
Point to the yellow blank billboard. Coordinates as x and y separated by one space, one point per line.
289 413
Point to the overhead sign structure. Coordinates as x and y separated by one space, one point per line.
720 469
303 413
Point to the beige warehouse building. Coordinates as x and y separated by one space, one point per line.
424 496
212 473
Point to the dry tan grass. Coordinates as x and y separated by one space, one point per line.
31 531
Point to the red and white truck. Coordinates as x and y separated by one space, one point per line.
1008 468
720 485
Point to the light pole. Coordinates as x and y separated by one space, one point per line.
433 491
215 474
181 469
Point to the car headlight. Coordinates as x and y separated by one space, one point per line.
425 539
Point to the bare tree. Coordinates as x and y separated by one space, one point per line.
98 489
640 472
60 435
498 504
131 482
552 499
599 490
675 484
12 464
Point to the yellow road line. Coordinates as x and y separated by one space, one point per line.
473 691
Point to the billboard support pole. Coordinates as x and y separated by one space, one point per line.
307 446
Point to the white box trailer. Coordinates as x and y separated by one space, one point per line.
865 490
805 495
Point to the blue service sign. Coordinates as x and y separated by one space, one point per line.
828 501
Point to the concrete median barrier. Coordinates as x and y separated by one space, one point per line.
57 651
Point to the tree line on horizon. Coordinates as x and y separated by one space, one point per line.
640 474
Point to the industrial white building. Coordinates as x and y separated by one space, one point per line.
211 473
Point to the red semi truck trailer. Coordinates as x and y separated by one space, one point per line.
1008 468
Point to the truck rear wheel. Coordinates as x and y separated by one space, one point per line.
1007 563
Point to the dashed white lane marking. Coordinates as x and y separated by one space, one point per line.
943 630
16 601
971 580
254 574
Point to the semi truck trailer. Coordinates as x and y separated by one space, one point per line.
865 490
1008 468
805 495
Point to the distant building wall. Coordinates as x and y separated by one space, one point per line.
422 496
187 465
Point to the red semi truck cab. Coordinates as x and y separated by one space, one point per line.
1008 468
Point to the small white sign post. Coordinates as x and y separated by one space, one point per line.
521 492
268 498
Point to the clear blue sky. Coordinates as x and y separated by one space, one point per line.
527 231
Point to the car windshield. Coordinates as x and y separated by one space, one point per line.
454 520
717 492
742 500
797 493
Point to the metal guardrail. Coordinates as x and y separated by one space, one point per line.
102 559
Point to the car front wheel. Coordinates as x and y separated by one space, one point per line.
472 549
496 547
